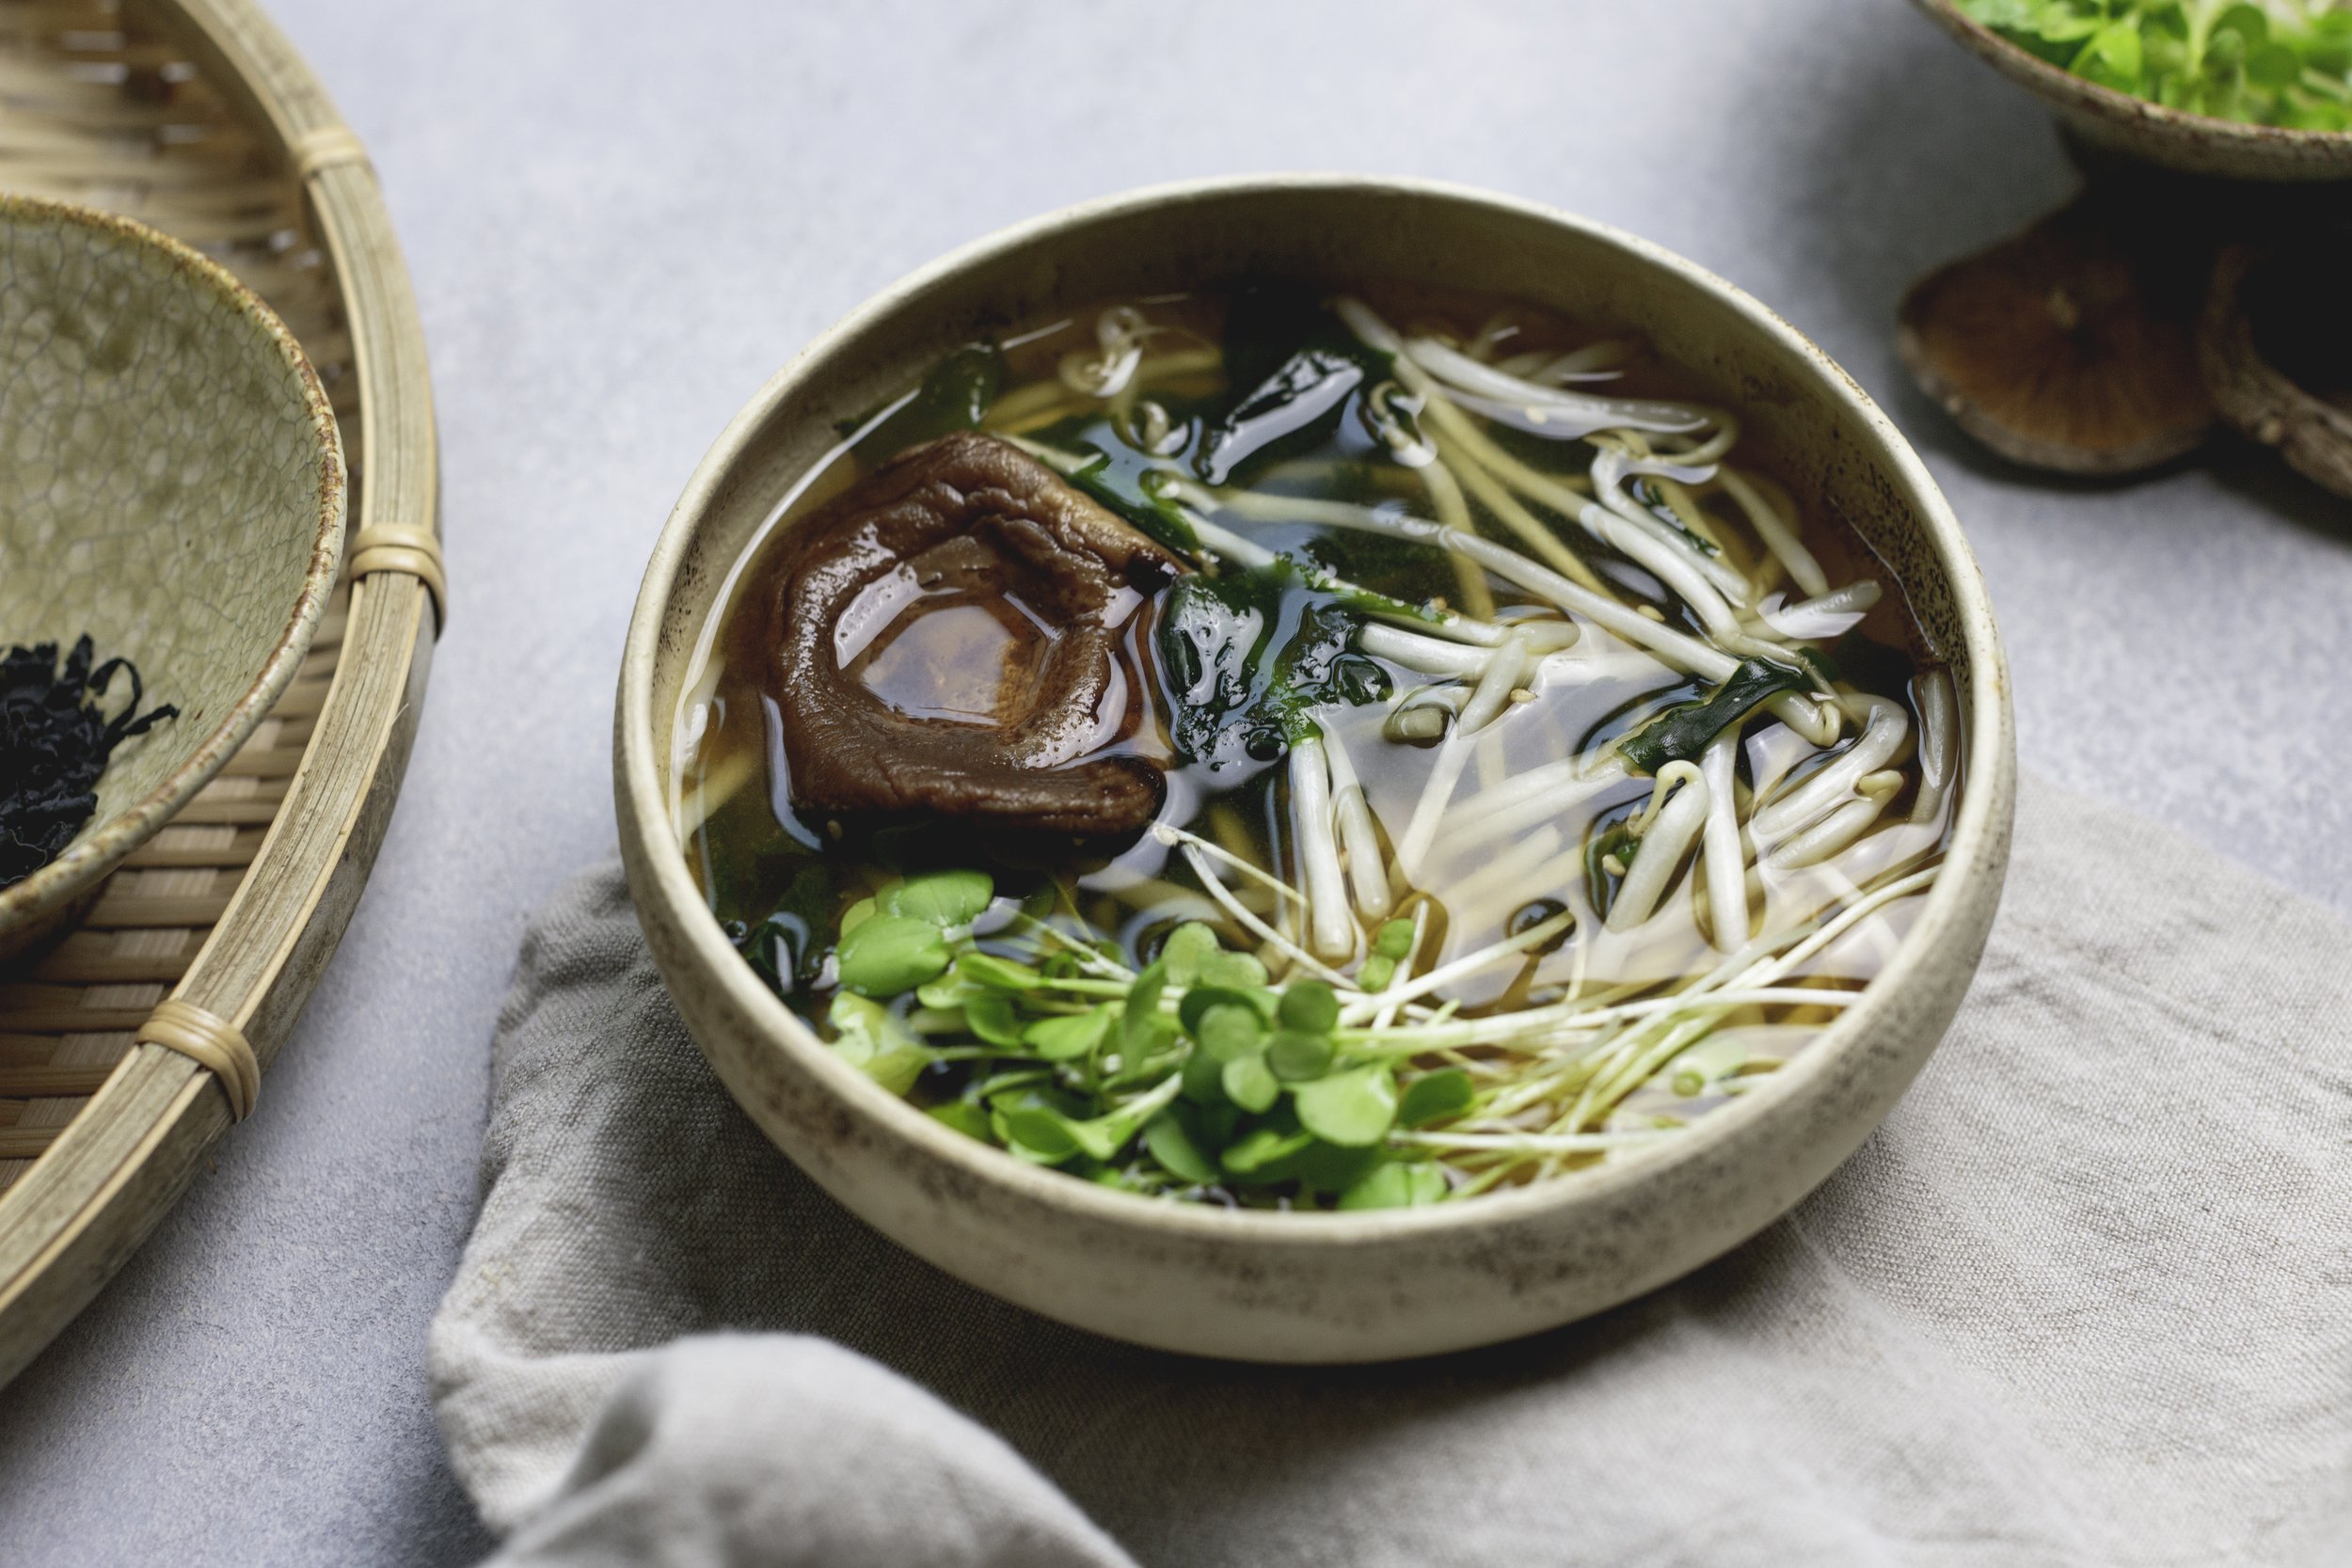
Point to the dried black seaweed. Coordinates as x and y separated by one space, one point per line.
54 741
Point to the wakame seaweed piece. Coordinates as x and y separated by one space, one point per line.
1128 482
54 744
1293 365
1247 655
1312 386
955 395
1654 502
787 947
1680 734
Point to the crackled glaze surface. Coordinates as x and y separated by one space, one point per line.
170 483
1322 1287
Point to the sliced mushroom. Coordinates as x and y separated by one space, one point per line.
2275 344
2067 347
969 525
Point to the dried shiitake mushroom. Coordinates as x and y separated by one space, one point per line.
2067 347
971 524
2275 346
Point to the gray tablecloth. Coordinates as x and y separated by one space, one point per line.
2085 1299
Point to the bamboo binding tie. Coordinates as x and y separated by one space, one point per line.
399 548
214 1044
329 147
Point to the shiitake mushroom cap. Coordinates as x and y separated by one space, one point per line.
2068 347
2275 347
977 517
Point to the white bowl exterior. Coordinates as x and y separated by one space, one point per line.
1321 1288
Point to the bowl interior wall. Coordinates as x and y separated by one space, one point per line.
159 479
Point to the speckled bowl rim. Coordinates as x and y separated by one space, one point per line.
641 788
2295 153
99 850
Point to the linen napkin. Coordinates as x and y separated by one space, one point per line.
2085 1299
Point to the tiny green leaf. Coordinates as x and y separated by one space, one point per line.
890 954
1250 1084
1166 1137
1394 940
867 1036
1230 1030
1187 945
1309 1006
964 1116
1231 971
857 914
991 1016
943 897
986 969
1375 973
1296 1057
1397 1184
1353 1109
1062 1039
1141 1020
1434 1097
1252 1153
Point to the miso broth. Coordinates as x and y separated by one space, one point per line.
1313 749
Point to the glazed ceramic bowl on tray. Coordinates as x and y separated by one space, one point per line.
1312 1287
171 485
2169 138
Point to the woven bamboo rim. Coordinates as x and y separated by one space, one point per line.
127 1050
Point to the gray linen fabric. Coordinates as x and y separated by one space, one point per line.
2085 1299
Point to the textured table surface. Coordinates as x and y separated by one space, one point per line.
623 218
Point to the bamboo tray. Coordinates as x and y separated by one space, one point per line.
196 116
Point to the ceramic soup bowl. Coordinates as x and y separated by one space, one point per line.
1319 1287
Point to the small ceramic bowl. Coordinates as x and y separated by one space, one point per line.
171 483
1319 1287
2169 138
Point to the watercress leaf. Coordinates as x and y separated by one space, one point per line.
1062 1039
857 914
986 969
1260 1154
1204 1079
1394 939
1435 1096
1353 1109
1140 1023
1200 998
1172 1145
964 1116
949 991
1229 1030
1250 1084
1232 971
1309 1006
1103 1136
991 1016
943 897
1397 1184
2274 65
1035 1133
890 954
1296 1056
1329 1168
1187 945
867 1036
